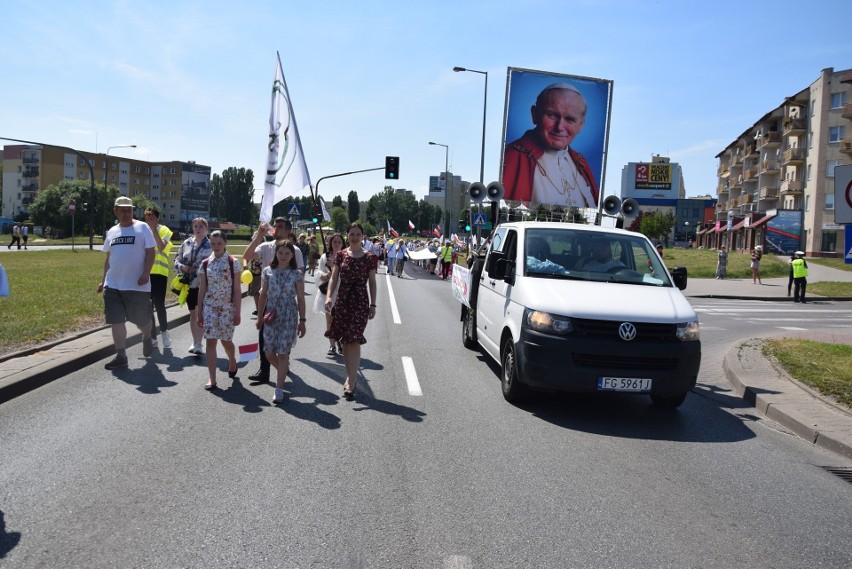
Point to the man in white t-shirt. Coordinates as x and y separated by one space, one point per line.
126 283
264 250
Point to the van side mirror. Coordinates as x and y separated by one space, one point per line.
679 277
505 270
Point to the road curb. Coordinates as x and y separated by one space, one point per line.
767 389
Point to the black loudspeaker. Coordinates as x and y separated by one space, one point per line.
612 205
629 207
495 191
477 192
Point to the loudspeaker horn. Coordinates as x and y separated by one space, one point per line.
495 191
612 205
629 207
477 192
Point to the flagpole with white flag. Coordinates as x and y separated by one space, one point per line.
286 171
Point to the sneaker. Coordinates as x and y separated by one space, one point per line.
147 346
154 341
167 341
118 362
279 396
331 351
197 347
191 349
339 348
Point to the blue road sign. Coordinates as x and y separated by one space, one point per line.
294 210
479 219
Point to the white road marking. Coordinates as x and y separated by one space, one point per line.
458 562
394 308
793 328
411 376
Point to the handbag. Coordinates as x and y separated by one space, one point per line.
323 287
269 316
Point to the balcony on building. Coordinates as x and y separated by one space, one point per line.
29 159
30 173
768 166
793 156
736 182
794 127
32 187
768 191
737 157
791 187
846 145
749 150
847 111
772 138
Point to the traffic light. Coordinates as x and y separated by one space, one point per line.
391 167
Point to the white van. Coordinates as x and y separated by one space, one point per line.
582 308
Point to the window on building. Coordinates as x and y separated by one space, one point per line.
807 203
114 166
836 133
838 100
172 182
104 164
135 180
813 108
808 172
830 165
124 172
145 182
137 169
172 194
829 201
147 169
173 171
829 241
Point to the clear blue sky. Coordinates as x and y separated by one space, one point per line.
192 80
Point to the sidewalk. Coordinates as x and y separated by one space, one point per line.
752 376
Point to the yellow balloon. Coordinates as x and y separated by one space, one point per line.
246 277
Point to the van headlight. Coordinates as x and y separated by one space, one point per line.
688 331
547 323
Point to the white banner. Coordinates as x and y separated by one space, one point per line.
286 171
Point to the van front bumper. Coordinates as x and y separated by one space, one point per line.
575 363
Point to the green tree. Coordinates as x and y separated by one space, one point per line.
50 206
231 196
337 201
339 219
354 206
655 225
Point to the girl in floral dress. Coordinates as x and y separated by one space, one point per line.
282 302
353 269
219 297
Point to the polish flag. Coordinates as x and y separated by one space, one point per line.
391 230
436 231
248 352
410 225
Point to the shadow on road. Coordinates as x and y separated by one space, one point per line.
8 540
147 379
699 419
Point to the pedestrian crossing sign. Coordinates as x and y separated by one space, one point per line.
479 219
294 210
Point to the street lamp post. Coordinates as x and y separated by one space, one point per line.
106 174
482 152
446 183
91 182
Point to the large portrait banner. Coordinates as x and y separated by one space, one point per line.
555 135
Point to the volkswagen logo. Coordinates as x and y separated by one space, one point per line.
627 331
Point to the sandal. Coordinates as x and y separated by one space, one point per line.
210 386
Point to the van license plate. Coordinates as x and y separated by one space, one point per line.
624 384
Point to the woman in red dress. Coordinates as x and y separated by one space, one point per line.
353 268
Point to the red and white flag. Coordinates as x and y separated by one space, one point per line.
391 230
286 171
436 231
248 352
410 225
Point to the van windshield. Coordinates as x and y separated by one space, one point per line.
593 256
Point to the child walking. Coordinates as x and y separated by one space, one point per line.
219 297
282 306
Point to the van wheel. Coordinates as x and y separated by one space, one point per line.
669 401
468 330
513 390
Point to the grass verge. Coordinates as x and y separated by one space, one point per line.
824 367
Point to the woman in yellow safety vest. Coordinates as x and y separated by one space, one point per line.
800 276
159 273
446 256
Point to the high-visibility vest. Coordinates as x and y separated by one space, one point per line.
800 268
161 258
446 253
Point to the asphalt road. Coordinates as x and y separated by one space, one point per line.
143 468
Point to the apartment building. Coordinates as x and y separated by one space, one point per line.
180 189
776 179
